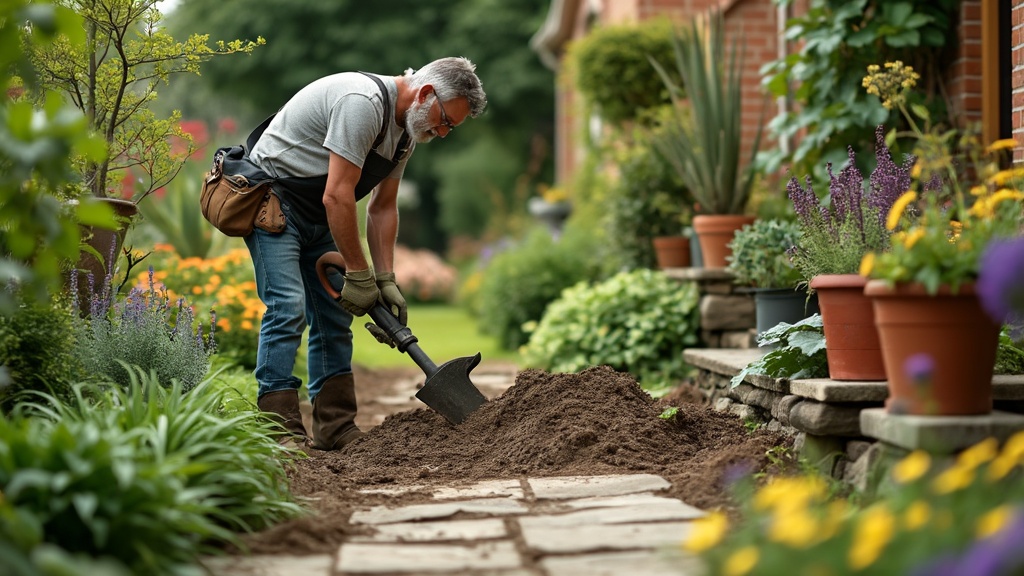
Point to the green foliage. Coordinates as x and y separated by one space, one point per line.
760 254
113 77
703 143
648 200
519 283
1010 355
35 350
612 68
148 476
37 232
669 413
637 322
799 352
142 329
838 39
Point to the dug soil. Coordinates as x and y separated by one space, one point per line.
598 421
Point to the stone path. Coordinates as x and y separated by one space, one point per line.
562 526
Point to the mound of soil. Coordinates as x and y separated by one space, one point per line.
598 421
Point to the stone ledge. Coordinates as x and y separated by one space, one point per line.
731 361
938 434
699 274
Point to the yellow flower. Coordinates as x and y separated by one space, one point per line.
912 237
1014 447
898 207
915 465
978 454
795 528
867 263
707 532
993 521
784 494
953 479
741 562
1000 467
917 515
1003 144
871 535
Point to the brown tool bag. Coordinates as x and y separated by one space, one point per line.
237 196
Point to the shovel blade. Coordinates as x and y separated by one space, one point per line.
450 392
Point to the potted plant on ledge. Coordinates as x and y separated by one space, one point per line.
938 344
703 142
835 237
760 259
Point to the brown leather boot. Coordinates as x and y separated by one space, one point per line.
284 405
334 413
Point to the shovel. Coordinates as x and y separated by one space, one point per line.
448 389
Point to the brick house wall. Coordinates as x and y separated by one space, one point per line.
1017 75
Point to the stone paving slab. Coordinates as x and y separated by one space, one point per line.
668 509
358 558
466 530
565 487
621 564
317 565
486 489
559 540
390 515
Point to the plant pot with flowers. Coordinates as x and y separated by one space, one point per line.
938 344
703 142
760 260
834 239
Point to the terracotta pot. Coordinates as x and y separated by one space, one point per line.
939 350
715 232
672 251
851 340
103 241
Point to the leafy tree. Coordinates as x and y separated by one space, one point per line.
310 38
113 78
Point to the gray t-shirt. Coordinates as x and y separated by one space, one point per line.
341 113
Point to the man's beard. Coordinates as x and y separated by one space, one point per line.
417 124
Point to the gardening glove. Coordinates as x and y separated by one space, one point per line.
359 293
391 297
379 334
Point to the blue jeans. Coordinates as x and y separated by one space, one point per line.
287 283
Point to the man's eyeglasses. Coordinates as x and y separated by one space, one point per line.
444 117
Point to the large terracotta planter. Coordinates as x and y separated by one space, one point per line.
851 341
104 241
939 350
715 232
671 251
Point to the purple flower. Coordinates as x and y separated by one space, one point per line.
919 367
888 181
1000 283
999 554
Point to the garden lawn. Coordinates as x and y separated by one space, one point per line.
444 332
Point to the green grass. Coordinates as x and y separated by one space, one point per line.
444 332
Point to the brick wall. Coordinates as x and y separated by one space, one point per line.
1017 61
964 82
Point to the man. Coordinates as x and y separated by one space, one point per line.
336 140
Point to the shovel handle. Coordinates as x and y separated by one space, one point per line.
401 335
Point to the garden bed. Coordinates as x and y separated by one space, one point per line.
596 422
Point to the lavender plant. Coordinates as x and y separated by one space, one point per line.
838 234
143 329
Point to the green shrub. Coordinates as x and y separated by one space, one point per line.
613 68
636 321
648 200
142 329
35 349
146 475
760 254
519 283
